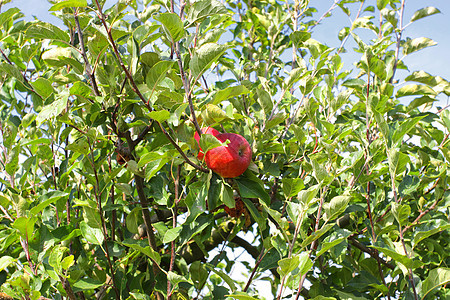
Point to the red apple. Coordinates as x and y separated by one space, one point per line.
231 160
205 130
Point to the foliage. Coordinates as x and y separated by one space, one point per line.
102 194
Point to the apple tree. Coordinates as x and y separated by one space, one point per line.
103 194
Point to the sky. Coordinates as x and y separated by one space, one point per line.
434 60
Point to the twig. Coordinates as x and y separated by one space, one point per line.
87 65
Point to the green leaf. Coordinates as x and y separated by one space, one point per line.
265 100
421 235
414 89
229 92
408 185
87 284
68 3
142 246
25 226
424 12
403 129
54 109
436 278
159 115
333 240
317 234
399 258
157 73
213 115
241 296
41 30
225 277
299 37
208 142
7 15
292 186
46 200
203 9
287 265
336 206
11 70
204 57
417 44
43 87
80 145
249 188
172 234
397 161
173 25
5 261
92 235
226 195
255 213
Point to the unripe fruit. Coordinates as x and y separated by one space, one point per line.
205 130
231 160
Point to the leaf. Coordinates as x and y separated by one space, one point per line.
142 247
249 188
336 206
7 15
397 161
225 277
287 265
408 185
398 258
213 114
292 186
299 37
204 57
229 92
41 30
173 25
417 44
265 100
46 200
172 234
332 240
424 12
205 8
25 226
11 70
226 195
157 73
208 142
5 261
421 235
87 284
52 110
68 3
403 129
317 234
80 145
414 89
436 278
241 296
92 235
159 115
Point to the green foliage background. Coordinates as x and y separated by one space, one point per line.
102 195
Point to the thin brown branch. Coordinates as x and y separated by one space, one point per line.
87 65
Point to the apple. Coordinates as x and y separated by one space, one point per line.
230 160
205 130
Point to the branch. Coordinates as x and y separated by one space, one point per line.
87 66
369 251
